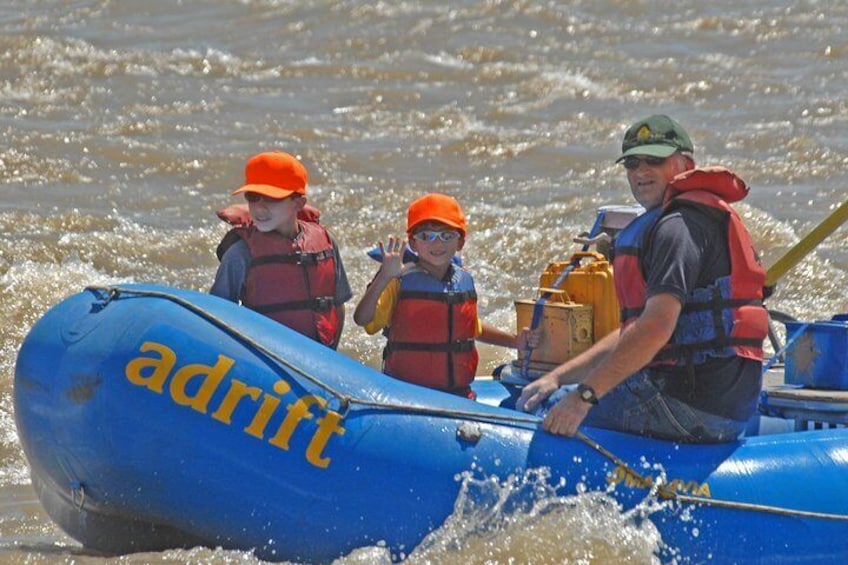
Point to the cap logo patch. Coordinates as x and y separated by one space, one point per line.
644 133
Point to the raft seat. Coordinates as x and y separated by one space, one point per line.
811 409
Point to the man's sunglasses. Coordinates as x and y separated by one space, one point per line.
429 236
633 162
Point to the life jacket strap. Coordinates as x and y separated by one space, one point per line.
317 304
721 304
677 351
462 346
294 258
452 297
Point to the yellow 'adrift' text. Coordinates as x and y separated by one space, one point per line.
623 475
156 373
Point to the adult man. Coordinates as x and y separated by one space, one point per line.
279 264
686 364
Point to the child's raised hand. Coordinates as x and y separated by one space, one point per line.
392 256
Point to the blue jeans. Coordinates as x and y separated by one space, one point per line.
637 406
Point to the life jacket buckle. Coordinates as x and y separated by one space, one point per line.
324 303
463 346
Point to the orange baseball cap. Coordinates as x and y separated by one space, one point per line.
274 174
435 207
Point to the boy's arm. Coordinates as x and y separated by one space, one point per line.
492 335
364 313
231 272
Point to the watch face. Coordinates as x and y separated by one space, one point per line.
587 394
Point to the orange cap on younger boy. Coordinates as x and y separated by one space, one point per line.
436 207
274 174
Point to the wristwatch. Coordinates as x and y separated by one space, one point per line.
587 394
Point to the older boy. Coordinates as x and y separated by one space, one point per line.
281 266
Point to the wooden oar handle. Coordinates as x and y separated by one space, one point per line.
803 247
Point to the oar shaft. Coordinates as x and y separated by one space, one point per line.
803 247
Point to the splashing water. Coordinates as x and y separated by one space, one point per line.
506 521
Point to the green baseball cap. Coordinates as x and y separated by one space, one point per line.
655 136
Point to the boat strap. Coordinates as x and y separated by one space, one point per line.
345 400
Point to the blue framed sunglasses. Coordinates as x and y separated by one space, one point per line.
429 236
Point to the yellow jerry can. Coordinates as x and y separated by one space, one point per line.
591 283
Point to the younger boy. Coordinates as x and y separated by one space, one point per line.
280 265
429 308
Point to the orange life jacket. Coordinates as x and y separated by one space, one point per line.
432 330
723 319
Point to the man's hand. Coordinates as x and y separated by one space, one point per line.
537 392
566 415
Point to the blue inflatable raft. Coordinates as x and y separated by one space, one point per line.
155 418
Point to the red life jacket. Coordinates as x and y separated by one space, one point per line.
293 281
432 330
727 317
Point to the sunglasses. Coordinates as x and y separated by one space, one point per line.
633 162
255 197
429 236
